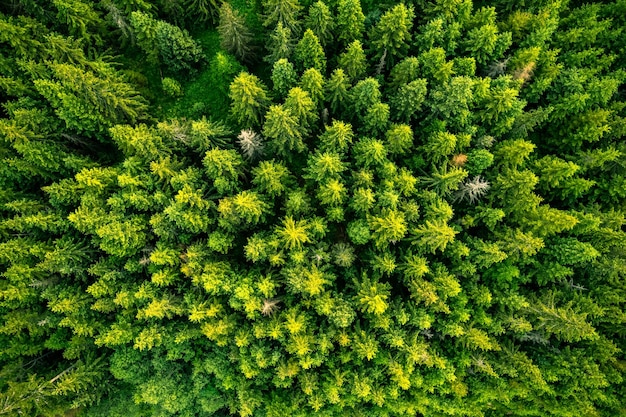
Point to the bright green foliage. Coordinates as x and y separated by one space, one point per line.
90 101
433 236
300 104
271 178
249 99
443 238
368 152
350 21
353 60
399 139
283 131
321 22
312 82
309 53
293 233
337 137
390 227
392 33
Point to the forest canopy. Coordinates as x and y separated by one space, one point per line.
312 208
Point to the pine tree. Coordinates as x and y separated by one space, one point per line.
392 33
309 53
353 61
235 37
285 13
279 44
283 131
337 88
248 99
320 21
284 77
350 21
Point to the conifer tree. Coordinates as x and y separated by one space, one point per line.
392 33
321 22
279 44
309 53
353 61
235 37
248 99
285 13
350 21
284 77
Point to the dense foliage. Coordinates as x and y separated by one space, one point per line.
327 208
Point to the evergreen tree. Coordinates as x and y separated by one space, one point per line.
248 99
235 37
279 44
353 61
350 21
392 34
309 53
285 13
320 21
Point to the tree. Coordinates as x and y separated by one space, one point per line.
337 88
404 72
165 44
433 236
337 137
271 177
312 82
350 21
399 139
376 119
364 95
320 21
284 77
279 44
235 37
409 99
302 107
285 13
392 33
353 60
90 101
309 53
248 99
388 228
293 233
282 129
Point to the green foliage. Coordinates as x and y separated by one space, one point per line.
249 99
353 60
284 77
285 13
165 44
350 21
321 22
392 33
171 87
235 37
444 237
309 53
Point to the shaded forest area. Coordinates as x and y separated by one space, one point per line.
312 208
